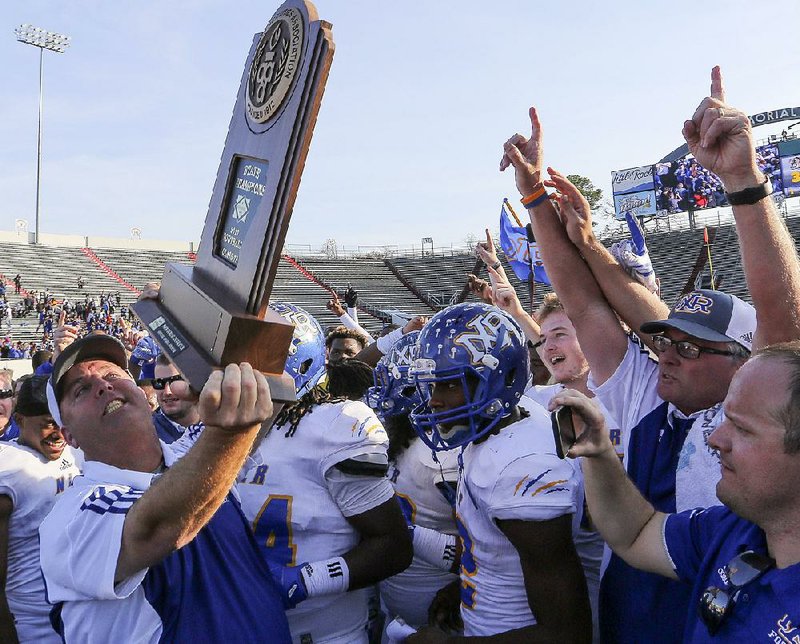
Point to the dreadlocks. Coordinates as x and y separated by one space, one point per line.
349 378
400 432
294 412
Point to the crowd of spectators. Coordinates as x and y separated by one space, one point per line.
684 184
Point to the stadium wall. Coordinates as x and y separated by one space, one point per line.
84 241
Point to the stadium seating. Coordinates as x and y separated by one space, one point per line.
412 284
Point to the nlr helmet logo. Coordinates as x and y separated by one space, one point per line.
695 303
303 331
483 334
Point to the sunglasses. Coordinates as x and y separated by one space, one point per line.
688 350
716 604
6 393
160 383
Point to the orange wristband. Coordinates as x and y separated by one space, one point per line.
538 195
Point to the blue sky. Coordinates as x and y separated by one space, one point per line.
420 98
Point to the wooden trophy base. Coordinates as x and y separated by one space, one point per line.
209 332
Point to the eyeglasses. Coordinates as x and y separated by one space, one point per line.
688 350
6 393
716 604
160 383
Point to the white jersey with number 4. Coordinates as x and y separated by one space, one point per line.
417 481
514 474
33 484
296 501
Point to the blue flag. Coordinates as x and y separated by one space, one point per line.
519 251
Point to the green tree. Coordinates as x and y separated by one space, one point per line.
593 195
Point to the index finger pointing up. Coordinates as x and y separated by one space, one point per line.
717 91
535 125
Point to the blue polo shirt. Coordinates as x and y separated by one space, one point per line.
700 544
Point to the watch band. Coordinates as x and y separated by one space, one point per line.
750 195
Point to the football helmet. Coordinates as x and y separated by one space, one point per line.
394 392
306 360
480 348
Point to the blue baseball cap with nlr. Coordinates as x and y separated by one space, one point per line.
710 315
96 346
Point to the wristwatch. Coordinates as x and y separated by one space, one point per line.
750 195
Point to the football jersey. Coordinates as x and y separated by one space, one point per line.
514 474
417 480
33 483
216 588
295 516
592 550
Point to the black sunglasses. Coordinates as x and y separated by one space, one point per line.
688 350
716 604
6 393
160 383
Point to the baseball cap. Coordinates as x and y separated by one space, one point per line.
710 315
91 347
32 397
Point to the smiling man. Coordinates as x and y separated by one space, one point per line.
741 560
36 469
174 414
149 545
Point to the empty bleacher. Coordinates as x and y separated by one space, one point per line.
374 280
412 284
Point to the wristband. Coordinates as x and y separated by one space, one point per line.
538 195
749 196
436 548
496 265
328 577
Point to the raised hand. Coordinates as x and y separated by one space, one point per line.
63 335
351 297
526 156
721 139
235 400
503 293
486 250
576 215
335 306
415 324
480 288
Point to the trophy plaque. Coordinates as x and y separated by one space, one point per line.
215 312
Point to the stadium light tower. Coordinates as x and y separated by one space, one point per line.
51 41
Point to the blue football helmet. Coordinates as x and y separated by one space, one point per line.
481 348
306 360
395 393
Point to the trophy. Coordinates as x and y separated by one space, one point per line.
215 312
